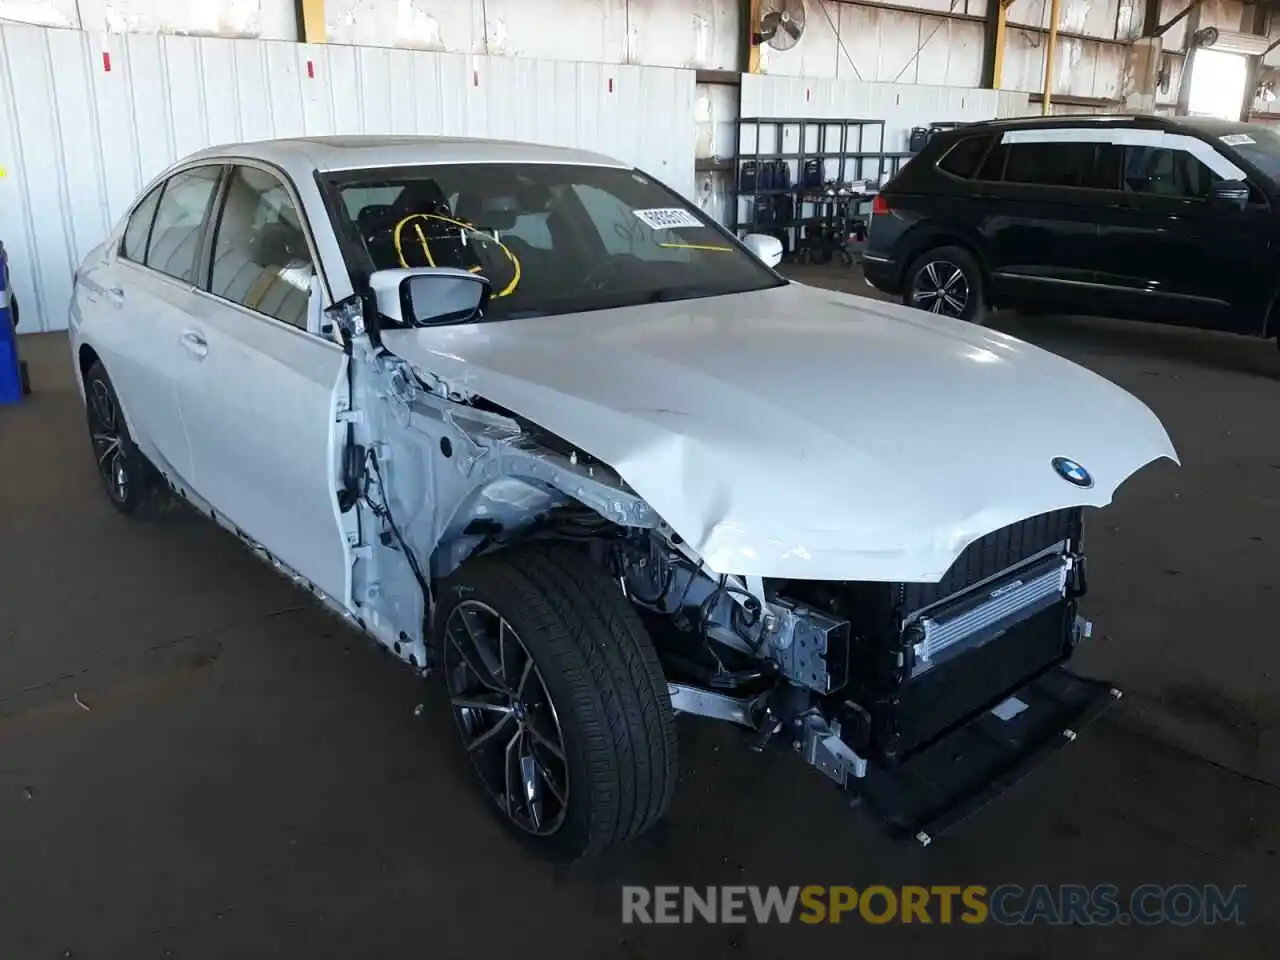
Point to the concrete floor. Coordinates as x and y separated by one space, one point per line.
247 778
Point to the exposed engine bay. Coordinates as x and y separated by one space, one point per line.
860 673
862 679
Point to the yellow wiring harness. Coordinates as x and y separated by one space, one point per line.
509 289
714 248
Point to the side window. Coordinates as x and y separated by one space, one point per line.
993 166
621 230
1166 172
1061 164
136 232
1107 170
260 254
962 159
180 220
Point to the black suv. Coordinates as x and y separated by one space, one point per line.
1148 218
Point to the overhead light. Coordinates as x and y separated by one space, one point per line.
1232 41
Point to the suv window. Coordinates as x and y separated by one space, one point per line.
993 166
1164 172
180 220
260 254
1060 164
962 159
138 230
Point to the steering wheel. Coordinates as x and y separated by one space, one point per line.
598 277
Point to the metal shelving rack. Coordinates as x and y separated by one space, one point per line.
814 222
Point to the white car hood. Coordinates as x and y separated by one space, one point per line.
801 433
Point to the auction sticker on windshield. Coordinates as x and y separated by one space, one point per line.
665 218
1236 139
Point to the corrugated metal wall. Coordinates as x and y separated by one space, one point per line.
77 141
861 42
702 34
260 19
695 34
901 105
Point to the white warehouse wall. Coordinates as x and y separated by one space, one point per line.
901 105
940 42
78 142
258 19
936 42
849 41
696 34
864 41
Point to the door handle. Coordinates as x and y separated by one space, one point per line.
115 295
195 343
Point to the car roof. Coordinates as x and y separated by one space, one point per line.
1204 126
336 153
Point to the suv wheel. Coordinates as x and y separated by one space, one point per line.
946 280
559 697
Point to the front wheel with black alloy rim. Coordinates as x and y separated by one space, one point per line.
559 698
126 475
946 281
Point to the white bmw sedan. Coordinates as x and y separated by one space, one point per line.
539 426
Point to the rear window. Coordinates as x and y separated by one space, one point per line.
1060 164
962 159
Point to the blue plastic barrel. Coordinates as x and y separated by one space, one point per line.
10 373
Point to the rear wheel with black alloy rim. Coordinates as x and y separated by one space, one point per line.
125 473
946 281
559 698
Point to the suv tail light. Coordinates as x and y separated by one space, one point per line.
879 204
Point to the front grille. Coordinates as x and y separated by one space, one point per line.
905 712
876 610
951 628
994 553
934 702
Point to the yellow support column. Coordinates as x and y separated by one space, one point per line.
311 21
1054 7
997 55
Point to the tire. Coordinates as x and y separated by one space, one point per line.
583 670
127 477
945 269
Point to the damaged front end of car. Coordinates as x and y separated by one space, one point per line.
919 699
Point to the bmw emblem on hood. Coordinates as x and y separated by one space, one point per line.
1072 472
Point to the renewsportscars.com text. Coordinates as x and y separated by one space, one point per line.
1006 904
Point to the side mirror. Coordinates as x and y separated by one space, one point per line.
427 296
768 250
1229 193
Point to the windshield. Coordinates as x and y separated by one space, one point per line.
1260 146
550 238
